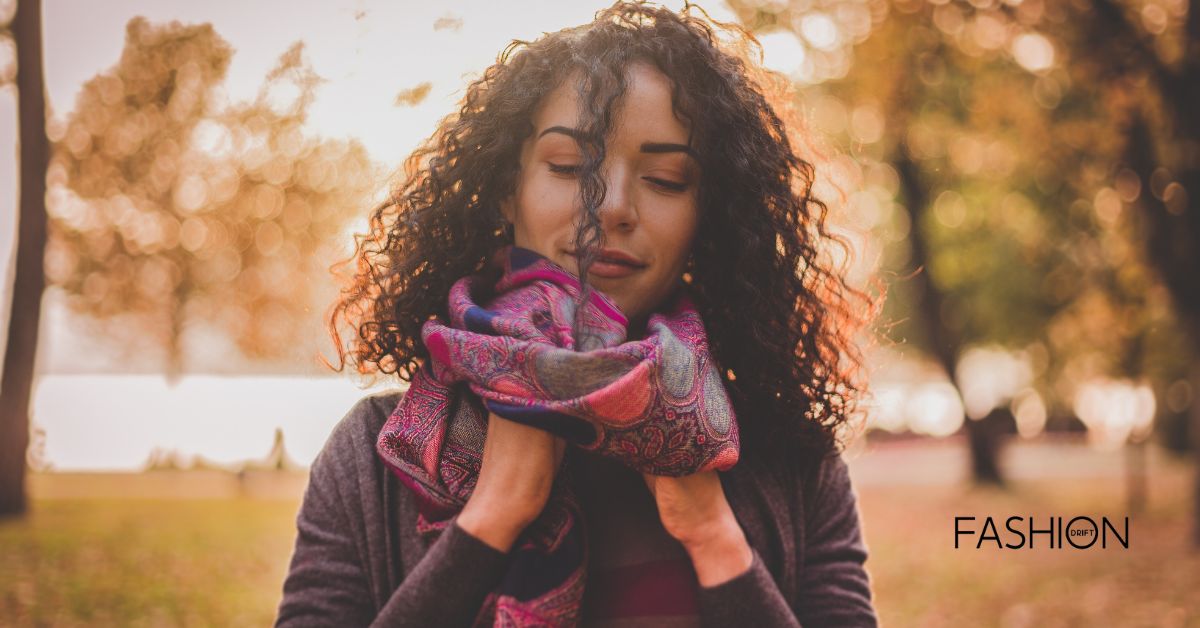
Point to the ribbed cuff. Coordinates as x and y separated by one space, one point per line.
749 599
459 541
448 585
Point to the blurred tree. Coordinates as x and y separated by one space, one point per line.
985 146
16 385
171 211
1150 66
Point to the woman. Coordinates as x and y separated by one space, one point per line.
629 366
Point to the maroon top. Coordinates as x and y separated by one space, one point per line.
635 569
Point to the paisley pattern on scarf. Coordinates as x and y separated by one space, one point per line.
656 405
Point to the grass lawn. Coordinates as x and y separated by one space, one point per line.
220 562
145 562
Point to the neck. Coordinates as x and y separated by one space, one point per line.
636 330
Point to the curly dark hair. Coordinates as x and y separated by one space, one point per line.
780 318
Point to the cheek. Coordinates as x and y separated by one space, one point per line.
546 207
673 236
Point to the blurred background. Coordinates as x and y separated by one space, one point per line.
177 178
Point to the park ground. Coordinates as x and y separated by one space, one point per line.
209 549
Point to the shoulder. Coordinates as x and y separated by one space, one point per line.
826 484
830 523
804 472
812 486
363 421
820 470
349 453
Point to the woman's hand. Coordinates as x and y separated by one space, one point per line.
695 512
515 478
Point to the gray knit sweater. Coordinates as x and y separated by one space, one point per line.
359 560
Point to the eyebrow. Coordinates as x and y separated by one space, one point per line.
647 147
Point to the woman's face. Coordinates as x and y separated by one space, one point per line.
649 212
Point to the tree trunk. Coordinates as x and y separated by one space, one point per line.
1135 477
1173 248
173 369
983 439
16 386
1195 432
944 344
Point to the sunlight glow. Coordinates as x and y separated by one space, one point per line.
820 31
1115 411
935 409
990 376
1033 51
212 138
783 52
1030 413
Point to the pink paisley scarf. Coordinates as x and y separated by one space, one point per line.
656 404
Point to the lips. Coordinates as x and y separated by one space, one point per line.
614 256
614 264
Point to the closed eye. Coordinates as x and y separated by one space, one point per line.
563 168
674 186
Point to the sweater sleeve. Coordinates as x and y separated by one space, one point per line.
750 599
449 585
834 589
327 582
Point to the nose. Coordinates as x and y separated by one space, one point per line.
617 210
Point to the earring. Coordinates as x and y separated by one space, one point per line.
689 269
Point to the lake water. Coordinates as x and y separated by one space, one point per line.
113 422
